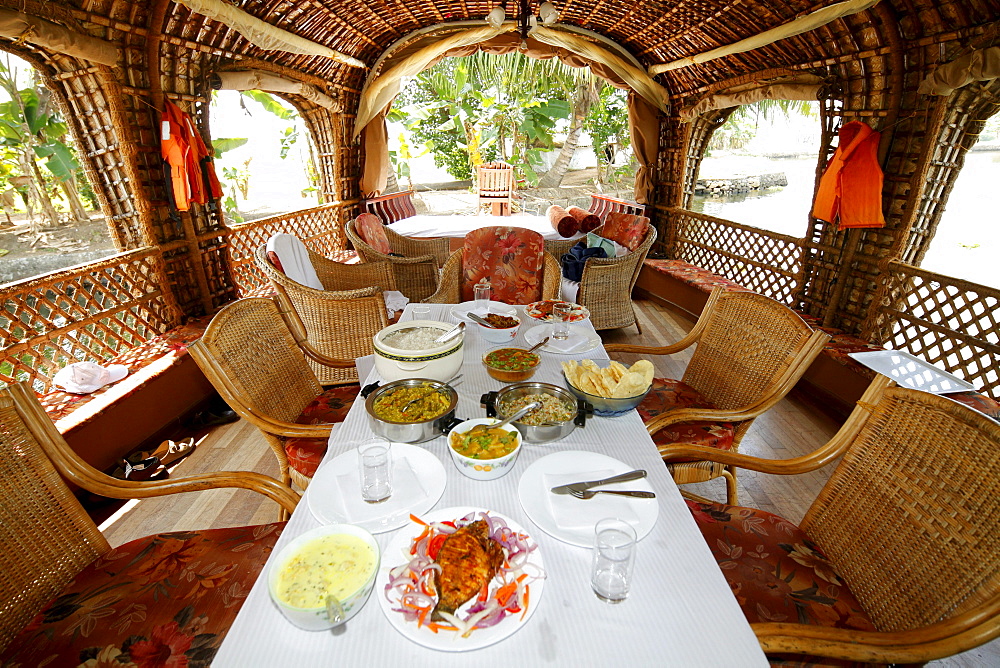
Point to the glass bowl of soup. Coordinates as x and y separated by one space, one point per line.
338 561
510 364
484 454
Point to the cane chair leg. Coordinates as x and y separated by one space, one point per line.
729 473
695 497
278 446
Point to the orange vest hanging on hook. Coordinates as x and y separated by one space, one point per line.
186 153
850 190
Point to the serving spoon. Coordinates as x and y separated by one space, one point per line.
436 390
538 345
516 415
482 321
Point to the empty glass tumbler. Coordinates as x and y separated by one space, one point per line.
613 559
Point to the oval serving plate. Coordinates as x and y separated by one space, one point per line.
542 310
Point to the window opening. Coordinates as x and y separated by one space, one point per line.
51 217
966 243
263 155
759 168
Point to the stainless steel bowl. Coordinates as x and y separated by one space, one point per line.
417 431
541 433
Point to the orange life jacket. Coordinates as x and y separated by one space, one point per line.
850 190
184 150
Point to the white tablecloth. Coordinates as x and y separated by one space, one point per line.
458 226
680 613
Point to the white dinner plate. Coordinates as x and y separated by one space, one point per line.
398 552
334 495
581 340
459 311
572 520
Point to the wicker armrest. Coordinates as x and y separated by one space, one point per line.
414 247
338 277
448 290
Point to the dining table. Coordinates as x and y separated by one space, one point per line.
680 610
456 226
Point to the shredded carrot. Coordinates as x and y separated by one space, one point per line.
505 592
527 589
417 520
422 616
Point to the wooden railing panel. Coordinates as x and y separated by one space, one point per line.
949 322
91 312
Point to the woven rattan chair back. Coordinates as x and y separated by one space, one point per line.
911 516
748 343
416 273
340 320
47 536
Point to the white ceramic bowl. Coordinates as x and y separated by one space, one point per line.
316 619
484 469
438 362
494 335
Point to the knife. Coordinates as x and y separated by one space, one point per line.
566 489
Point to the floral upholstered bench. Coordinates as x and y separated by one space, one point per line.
163 383
823 375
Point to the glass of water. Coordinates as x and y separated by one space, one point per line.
613 559
482 293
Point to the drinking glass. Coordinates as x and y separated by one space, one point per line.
375 461
560 322
613 559
420 312
482 292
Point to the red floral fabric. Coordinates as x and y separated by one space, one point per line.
693 275
776 573
627 229
331 407
510 258
372 231
666 394
979 402
162 601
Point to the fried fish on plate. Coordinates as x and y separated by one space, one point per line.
469 559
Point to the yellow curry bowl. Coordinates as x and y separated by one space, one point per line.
337 561
487 456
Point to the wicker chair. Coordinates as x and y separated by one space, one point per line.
751 351
252 359
340 320
896 559
457 279
415 262
606 284
60 575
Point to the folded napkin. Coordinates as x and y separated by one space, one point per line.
406 490
568 345
394 301
580 515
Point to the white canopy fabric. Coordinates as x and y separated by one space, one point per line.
796 87
17 26
800 25
262 34
258 80
979 65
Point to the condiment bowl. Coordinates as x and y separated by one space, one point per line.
317 618
496 359
495 335
483 469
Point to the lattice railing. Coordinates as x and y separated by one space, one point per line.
92 312
949 322
766 262
319 228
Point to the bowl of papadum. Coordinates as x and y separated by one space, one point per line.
612 390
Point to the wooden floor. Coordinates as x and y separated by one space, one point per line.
792 428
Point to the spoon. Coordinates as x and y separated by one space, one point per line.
507 420
424 396
482 321
538 345
451 333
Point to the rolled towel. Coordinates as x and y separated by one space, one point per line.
562 222
586 221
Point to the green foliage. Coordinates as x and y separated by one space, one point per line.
270 104
607 125
742 125
223 144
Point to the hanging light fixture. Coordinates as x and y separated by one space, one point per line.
547 15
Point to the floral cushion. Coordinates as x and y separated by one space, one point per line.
372 232
331 407
776 573
510 258
980 402
163 600
627 229
667 394
693 275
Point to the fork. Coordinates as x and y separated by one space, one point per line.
588 493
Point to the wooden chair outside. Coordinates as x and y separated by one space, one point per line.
251 357
495 185
415 263
340 320
896 559
602 205
606 284
391 207
55 559
750 352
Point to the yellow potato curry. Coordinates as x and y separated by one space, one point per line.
430 403
484 443
337 564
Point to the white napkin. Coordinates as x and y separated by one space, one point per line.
406 490
294 259
569 344
394 301
580 515
570 289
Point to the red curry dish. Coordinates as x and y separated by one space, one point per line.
511 365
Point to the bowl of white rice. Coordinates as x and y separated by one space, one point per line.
407 350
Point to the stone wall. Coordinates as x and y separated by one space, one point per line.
740 184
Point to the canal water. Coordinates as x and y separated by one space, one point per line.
967 242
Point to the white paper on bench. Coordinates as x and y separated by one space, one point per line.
911 371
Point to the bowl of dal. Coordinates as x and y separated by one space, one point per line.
485 454
337 561
510 364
